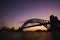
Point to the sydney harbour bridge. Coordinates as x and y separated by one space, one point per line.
53 22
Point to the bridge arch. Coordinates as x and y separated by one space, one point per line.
34 20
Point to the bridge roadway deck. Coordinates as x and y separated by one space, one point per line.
34 25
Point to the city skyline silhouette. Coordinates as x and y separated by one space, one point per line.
53 23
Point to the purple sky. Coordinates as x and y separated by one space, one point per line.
14 11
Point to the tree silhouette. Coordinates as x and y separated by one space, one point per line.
4 29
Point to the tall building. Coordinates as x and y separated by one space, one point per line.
53 21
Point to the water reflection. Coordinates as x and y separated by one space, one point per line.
38 36
30 36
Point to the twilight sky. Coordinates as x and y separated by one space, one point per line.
15 12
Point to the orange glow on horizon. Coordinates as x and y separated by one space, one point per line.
36 28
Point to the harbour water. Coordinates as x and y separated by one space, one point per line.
29 35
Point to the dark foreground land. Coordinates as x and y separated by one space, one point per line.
29 35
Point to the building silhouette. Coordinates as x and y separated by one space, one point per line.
54 22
